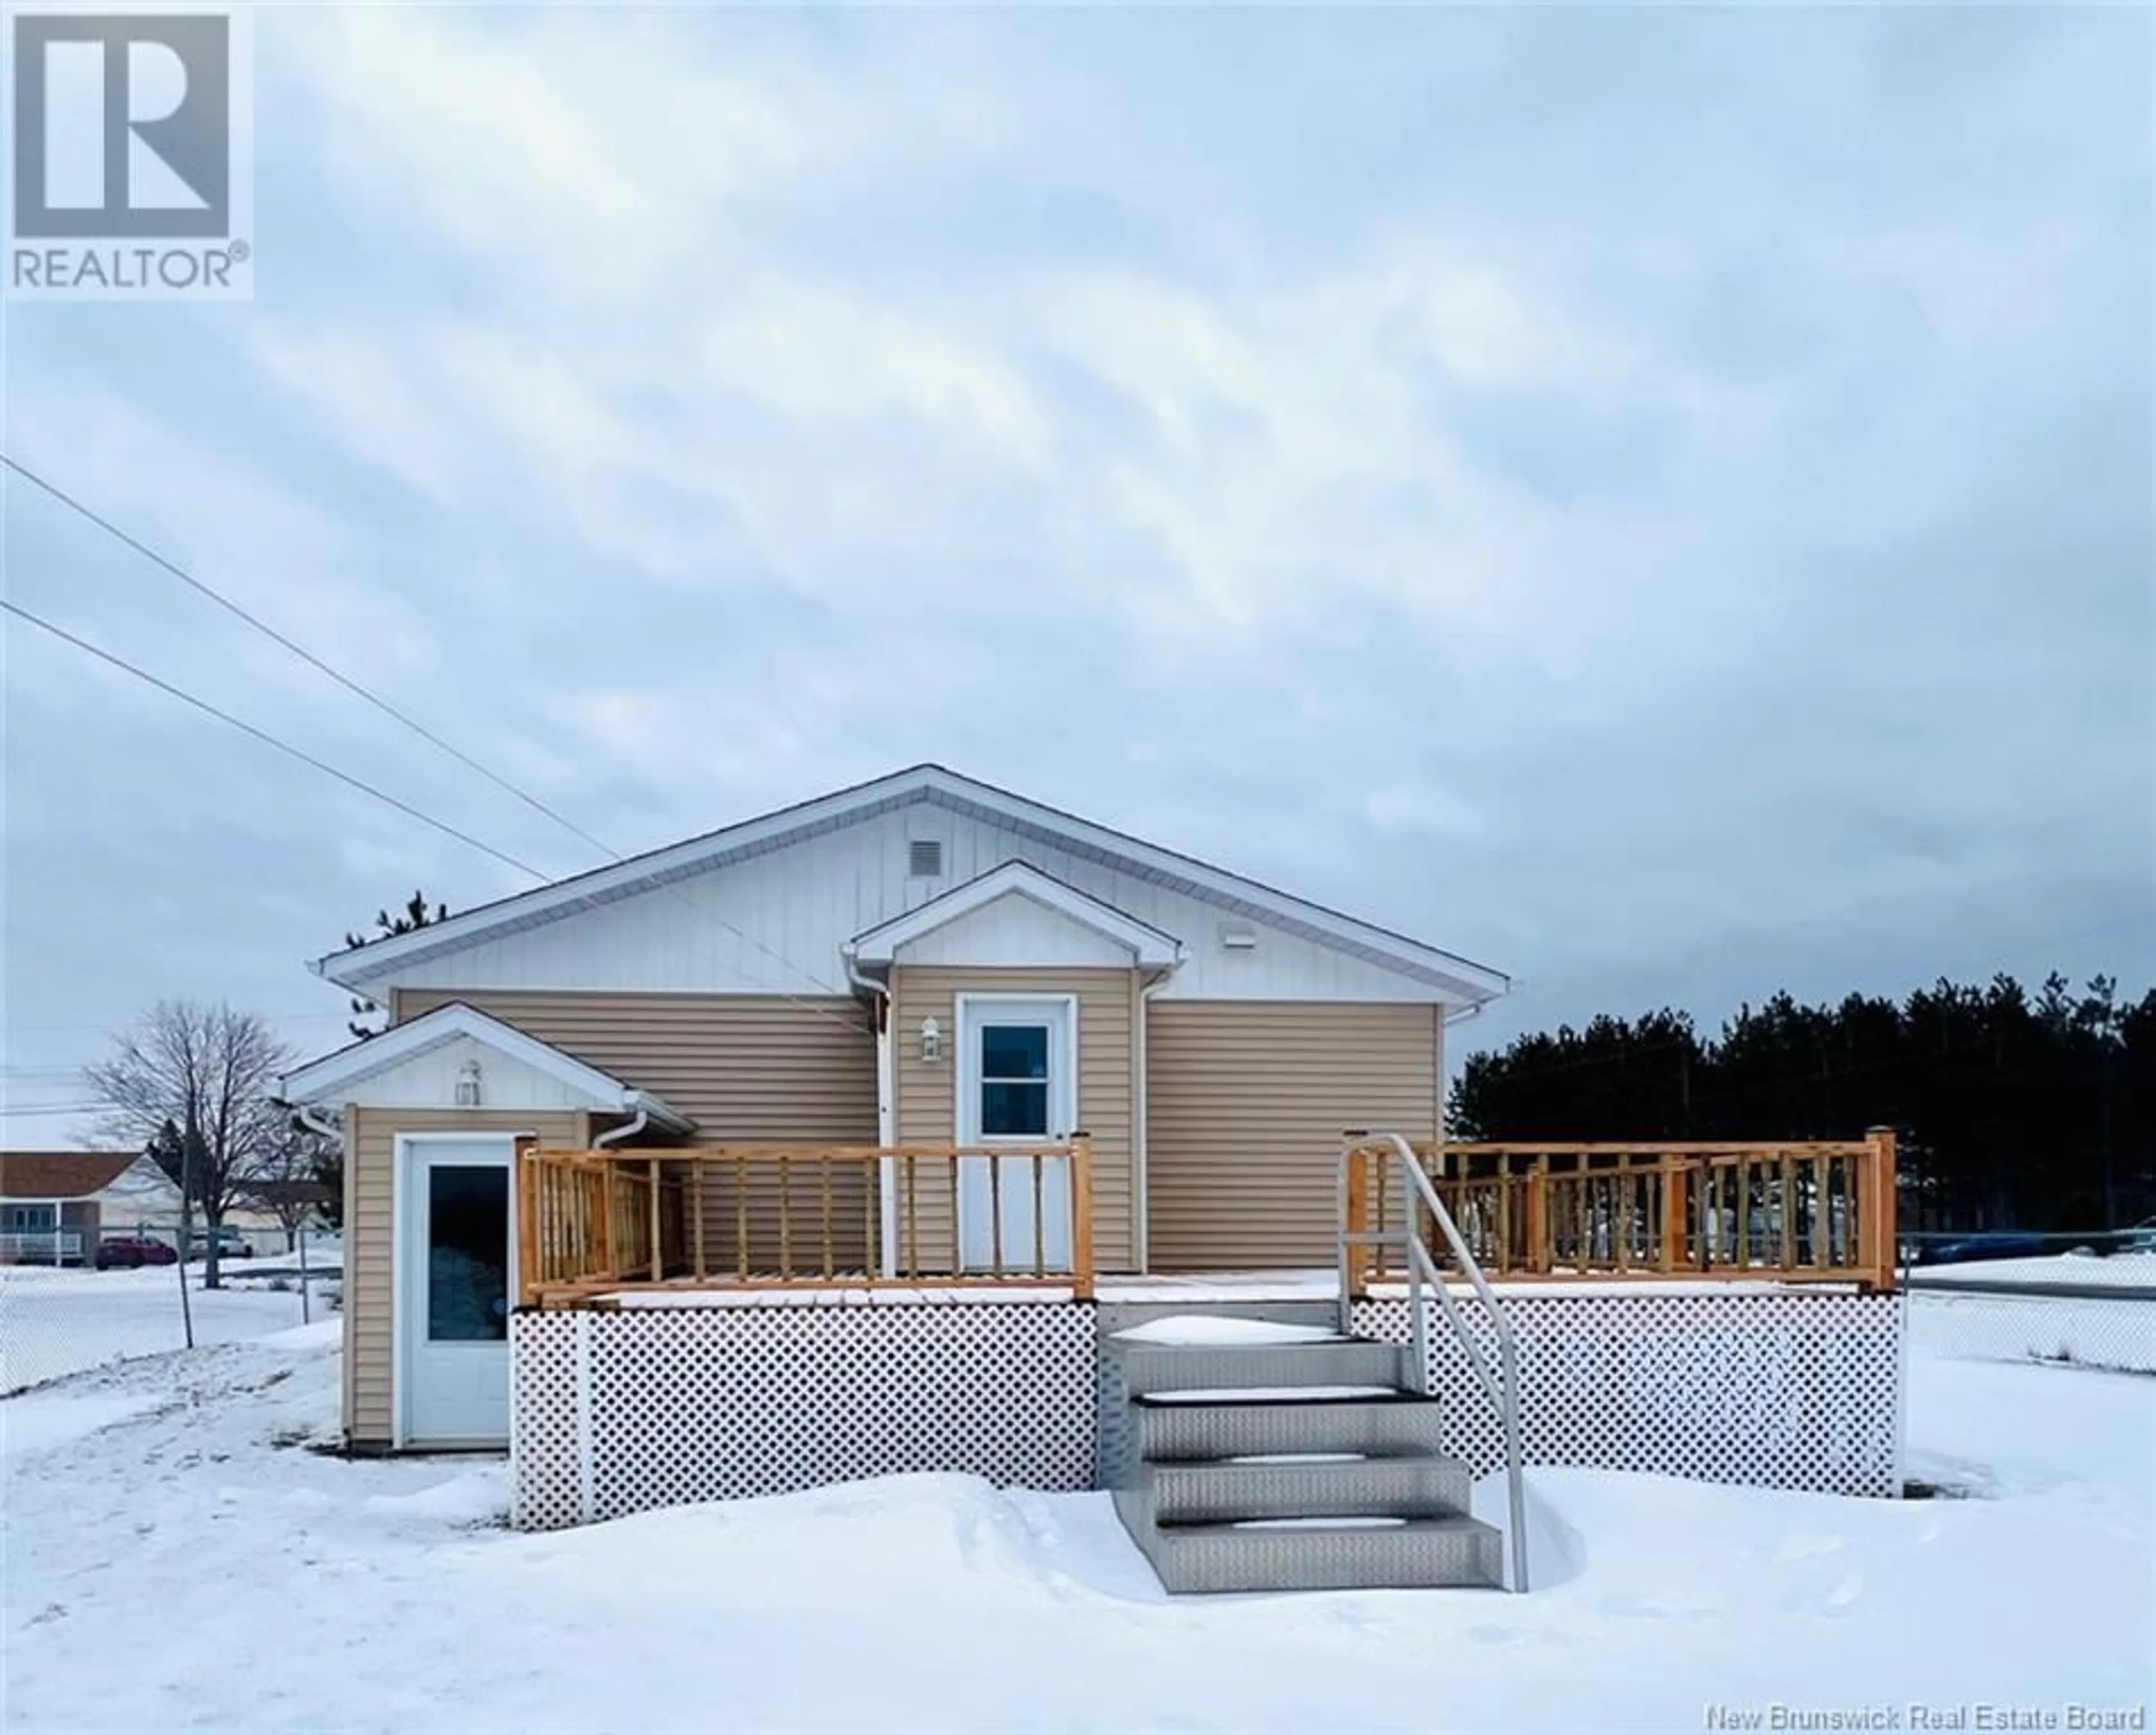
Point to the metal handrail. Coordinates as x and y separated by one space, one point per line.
1500 1384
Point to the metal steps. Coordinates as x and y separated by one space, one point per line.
1301 1466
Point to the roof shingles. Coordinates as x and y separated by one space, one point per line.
60 1174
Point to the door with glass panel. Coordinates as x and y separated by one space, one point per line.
456 1278
1018 1084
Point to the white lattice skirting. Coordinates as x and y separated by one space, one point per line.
1791 1390
618 1413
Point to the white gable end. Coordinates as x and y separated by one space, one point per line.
1015 930
776 922
429 1080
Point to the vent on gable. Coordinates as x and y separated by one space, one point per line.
924 858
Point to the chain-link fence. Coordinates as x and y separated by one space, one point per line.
2078 1301
57 1321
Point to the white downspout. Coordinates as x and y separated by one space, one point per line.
886 1112
310 1118
1142 1138
628 1130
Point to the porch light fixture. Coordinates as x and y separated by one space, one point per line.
931 1040
468 1085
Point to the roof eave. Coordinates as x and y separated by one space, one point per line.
1459 978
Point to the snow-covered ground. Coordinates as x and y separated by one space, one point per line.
178 1557
2119 1271
62 1322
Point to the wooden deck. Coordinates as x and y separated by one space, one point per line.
1811 1212
796 1217
682 1219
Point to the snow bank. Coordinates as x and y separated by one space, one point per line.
2123 1271
59 1322
384 1595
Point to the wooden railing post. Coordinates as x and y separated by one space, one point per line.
696 1215
528 1272
1356 1157
1538 1242
602 1259
1875 1207
1081 1216
658 1231
1674 1218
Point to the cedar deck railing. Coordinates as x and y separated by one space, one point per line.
1814 1211
790 1216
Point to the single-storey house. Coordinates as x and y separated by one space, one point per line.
56 1205
922 1127
902 972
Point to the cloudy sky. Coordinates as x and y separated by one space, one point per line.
1656 501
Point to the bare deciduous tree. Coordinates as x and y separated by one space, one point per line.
211 1071
287 1183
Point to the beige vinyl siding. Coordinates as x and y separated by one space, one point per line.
370 1235
926 1091
749 1069
744 1066
1246 1100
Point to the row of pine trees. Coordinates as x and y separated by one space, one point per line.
2014 1110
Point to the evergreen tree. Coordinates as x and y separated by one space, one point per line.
415 914
2013 1109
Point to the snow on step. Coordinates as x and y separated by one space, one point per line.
1272 1393
1371 1523
1187 1330
1299 1458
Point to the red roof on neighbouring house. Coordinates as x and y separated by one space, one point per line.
60 1174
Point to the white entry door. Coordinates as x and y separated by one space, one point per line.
457 1282
1018 1084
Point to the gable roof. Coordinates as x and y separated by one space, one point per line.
61 1173
1152 947
1459 977
320 1079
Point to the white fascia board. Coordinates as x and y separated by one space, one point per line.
1151 948
320 1081
355 967
1462 979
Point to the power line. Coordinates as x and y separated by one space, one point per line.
298 650
263 735
168 566
9 1026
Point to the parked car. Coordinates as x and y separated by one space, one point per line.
1984 1244
125 1252
231 1244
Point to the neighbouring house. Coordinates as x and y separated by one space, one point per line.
860 1137
922 959
264 1207
56 1205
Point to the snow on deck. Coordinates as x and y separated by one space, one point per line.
385 1595
1273 1393
859 1296
1205 1288
1192 1331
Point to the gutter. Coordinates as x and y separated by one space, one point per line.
642 1110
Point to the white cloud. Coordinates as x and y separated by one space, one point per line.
1530 494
